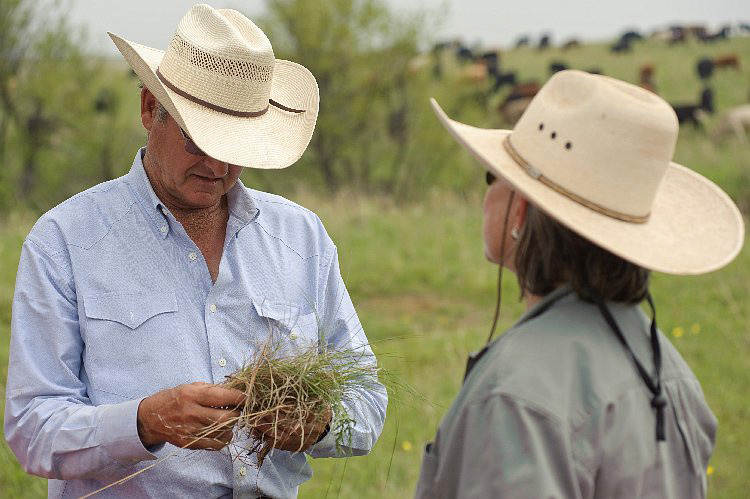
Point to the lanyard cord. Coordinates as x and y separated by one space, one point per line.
502 263
658 401
476 356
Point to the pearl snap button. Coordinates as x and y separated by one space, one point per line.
222 362
243 471
293 335
163 229
192 255
212 308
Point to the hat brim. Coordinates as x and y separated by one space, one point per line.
694 227
273 140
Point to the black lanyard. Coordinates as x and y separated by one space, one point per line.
476 356
658 401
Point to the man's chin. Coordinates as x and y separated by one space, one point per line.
199 200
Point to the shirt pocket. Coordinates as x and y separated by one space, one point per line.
427 473
289 330
695 422
132 344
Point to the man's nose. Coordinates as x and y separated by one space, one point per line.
218 168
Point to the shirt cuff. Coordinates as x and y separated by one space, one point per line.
118 433
326 446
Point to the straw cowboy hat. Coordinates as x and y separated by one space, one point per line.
595 154
220 81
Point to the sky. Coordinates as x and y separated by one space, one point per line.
494 23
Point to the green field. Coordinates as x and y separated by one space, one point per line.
425 295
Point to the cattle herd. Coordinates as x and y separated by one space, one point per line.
482 67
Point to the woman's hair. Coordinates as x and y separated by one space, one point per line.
549 255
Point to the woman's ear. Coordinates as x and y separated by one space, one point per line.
519 213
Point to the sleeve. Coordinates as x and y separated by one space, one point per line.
342 329
502 447
50 423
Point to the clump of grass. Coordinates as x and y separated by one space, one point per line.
296 390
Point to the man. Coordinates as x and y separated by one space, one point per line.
135 298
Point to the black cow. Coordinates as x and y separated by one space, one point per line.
630 36
690 113
621 46
545 42
705 68
501 79
556 66
522 41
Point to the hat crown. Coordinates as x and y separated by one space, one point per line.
222 58
605 141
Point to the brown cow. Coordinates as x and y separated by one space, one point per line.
475 73
517 101
727 61
572 43
526 89
511 111
645 77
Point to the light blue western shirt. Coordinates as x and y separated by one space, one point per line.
114 302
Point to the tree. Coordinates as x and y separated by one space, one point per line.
61 126
358 51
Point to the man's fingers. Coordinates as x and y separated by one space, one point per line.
217 396
209 416
213 441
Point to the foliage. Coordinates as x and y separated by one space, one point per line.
53 97
358 51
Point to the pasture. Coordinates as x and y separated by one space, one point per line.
425 295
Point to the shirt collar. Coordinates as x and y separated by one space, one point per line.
242 209
545 303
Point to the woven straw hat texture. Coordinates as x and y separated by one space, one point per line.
220 64
595 154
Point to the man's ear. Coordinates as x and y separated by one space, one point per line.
149 105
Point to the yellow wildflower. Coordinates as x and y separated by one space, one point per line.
678 332
406 445
710 470
695 328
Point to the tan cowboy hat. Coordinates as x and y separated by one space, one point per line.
595 154
220 81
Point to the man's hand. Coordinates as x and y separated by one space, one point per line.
290 433
181 415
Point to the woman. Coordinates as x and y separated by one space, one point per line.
583 397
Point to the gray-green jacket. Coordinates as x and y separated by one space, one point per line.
555 409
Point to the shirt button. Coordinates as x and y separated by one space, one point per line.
164 210
192 255
212 308
293 335
163 229
222 362
243 471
